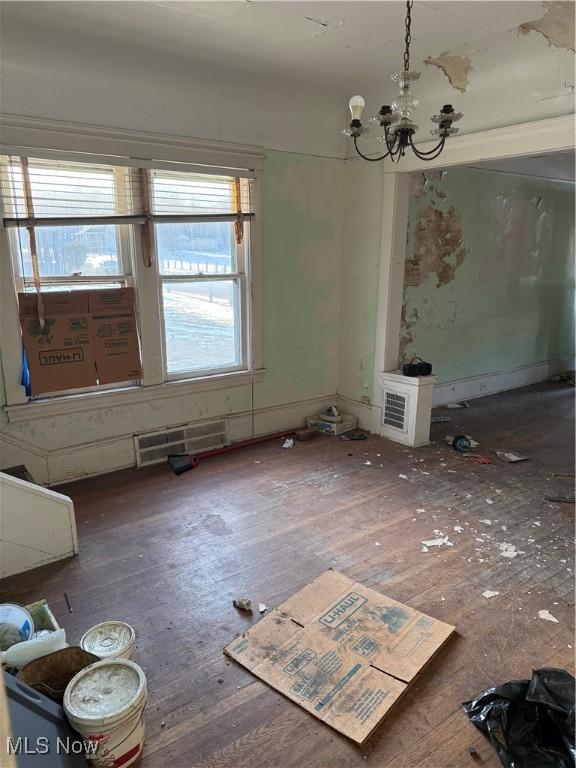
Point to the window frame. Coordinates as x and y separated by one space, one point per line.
147 283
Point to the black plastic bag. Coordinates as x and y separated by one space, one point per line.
529 722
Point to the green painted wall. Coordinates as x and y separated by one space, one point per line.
301 247
489 282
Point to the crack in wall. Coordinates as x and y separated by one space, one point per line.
557 24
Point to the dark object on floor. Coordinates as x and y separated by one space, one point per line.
439 419
182 462
354 436
530 723
243 604
68 603
21 472
306 433
417 367
473 752
462 444
32 716
51 674
561 499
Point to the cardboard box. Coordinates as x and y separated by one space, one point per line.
347 424
343 652
89 337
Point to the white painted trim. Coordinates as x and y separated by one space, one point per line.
498 381
395 205
554 134
107 455
95 401
39 133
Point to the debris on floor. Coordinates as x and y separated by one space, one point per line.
243 604
510 456
442 540
262 607
440 419
353 651
560 494
569 376
529 722
477 458
460 404
288 443
460 443
354 436
547 616
509 550
488 593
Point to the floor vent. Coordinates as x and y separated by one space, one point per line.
153 447
395 410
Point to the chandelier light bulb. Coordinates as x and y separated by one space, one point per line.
356 105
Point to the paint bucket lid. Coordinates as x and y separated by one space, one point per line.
10 613
105 692
108 639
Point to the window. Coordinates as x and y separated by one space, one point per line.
181 239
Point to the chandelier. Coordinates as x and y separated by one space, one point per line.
396 119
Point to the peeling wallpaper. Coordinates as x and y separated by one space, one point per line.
489 279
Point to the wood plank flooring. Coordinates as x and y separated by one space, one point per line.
168 554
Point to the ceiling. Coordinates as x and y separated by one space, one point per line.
329 42
558 166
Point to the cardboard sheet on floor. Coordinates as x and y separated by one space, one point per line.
343 652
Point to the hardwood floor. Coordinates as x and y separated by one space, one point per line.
168 554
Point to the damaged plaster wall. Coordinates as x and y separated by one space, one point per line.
489 278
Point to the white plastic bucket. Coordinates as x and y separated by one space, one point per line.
105 703
109 640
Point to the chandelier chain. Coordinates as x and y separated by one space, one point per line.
408 37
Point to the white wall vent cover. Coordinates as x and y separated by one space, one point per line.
406 407
153 447
395 406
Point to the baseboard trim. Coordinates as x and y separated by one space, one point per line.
498 381
75 461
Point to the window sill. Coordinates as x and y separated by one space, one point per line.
93 401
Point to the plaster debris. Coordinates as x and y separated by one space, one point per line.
455 67
376 543
262 607
537 523
486 522
461 404
510 457
288 443
404 477
420 510
547 616
509 550
425 548
489 501
458 528
557 24
488 593
439 542
368 463
243 604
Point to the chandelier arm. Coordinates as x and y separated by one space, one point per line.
389 144
424 155
365 157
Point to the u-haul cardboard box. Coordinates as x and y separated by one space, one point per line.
89 337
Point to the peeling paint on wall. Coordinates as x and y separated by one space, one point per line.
506 298
456 68
557 24
438 246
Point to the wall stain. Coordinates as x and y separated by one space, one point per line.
557 24
455 67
